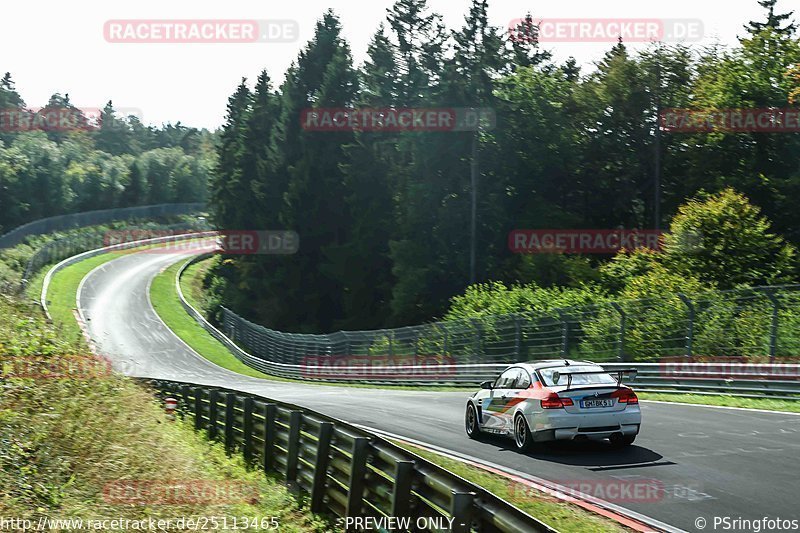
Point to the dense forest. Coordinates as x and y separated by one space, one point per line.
384 217
51 168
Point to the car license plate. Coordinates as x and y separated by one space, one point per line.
589 404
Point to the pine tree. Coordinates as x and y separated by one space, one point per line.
478 54
421 42
773 21
113 135
305 289
135 191
524 41
11 105
367 175
9 97
226 190
571 69
258 163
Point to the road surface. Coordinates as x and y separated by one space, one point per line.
709 462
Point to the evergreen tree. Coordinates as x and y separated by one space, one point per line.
523 39
226 183
113 135
135 192
367 175
421 42
774 22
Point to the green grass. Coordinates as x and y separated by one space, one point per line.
165 300
192 282
164 297
725 401
192 288
34 288
63 290
555 513
65 439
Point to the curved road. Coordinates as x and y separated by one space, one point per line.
706 461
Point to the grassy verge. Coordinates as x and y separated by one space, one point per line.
14 260
166 302
725 401
34 288
63 289
192 282
95 445
555 513
192 287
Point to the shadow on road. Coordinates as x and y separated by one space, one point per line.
595 455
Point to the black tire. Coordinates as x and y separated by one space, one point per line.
471 422
522 434
619 440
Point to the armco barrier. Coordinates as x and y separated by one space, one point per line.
69 246
348 472
117 247
746 322
654 377
94 218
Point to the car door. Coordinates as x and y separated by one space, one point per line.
497 403
513 395
493 404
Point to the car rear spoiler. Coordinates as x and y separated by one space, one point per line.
620 373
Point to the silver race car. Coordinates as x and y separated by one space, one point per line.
556 400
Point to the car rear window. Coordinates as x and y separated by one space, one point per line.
591 379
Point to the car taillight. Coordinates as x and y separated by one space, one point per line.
627 396
554 402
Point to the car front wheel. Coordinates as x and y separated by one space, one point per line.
471 422
522 434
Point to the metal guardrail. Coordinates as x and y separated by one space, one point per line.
756 322
70 246
99 251
94 218
347 471
777 381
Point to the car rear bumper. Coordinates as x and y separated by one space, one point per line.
565 426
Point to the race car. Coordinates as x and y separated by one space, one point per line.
556 400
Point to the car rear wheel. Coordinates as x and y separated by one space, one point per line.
522 434
471 422
620 440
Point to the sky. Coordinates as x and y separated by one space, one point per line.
55 46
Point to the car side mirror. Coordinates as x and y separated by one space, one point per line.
489 385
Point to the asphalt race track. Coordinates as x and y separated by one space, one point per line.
708 462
